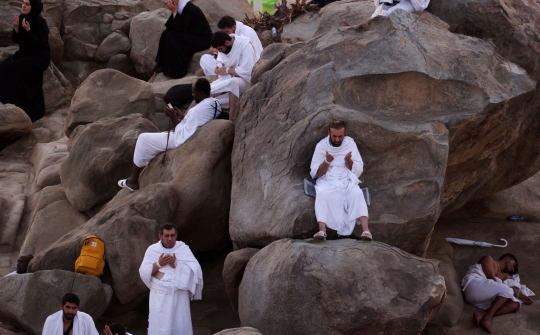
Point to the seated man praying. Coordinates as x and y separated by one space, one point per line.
237 57
340 203
149 145
494 287
229 25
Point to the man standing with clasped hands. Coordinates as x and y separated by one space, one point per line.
174 277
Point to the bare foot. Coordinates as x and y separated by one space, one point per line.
486 324
477 318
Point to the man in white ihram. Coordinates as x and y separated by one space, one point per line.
69 320
385 7
339 203
236 60
174 277
229 25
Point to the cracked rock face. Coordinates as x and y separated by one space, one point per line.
339 287
431 112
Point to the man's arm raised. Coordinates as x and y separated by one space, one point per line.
323 168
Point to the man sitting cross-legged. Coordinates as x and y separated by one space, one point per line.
149 145
229 25
339 203
483 287
237 58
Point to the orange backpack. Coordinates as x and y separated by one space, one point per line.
91 261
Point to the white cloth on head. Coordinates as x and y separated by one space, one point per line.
242 58
209 63
149 145
383 9
339 201
82 324
181 5
170 295
481 291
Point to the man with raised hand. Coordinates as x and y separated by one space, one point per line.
174 277
336 165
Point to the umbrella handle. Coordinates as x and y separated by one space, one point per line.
502 246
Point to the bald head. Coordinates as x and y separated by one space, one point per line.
22 263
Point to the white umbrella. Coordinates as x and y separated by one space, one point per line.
476 243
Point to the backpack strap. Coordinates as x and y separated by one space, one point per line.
215 109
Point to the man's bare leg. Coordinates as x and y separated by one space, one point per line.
509 307
364 223
322 226
133 180
498 304
233 102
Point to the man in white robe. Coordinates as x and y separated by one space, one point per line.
236 59
202 110
487 286
339 203
174 277
229 25
70 318
385 7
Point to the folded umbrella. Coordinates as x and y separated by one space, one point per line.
476 243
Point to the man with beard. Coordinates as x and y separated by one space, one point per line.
236 59
149 145
69 320
229 25
340 203
174 277
494 287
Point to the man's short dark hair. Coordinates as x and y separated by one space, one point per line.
512 257
336 124
117 328
219 38
168 226
226 22
71 298
202 85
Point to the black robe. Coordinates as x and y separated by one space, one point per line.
21 75
186 34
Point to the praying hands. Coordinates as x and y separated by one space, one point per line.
167 259
25 25
349 161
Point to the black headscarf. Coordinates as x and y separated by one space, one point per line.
32 17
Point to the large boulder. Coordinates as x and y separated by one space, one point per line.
57 90
128 224
123 64
302 287
46 159
109 93
114 44
20 294
239 331
416 98
271 56
233 271
14 122
145 31
7 12
11 212
513 27
100 154
353 12
301 29
200 173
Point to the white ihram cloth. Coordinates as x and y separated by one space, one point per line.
339 200
181 5
481 291
170 296
383 9
208 62
82 324
149 145
242 58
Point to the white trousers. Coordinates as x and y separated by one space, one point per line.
208 64
235 85
149 145
482 292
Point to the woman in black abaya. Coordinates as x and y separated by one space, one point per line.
21 75
187 33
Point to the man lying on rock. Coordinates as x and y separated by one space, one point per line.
494 286
236 59
340 203
229 25
69 320
22 264
149 145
